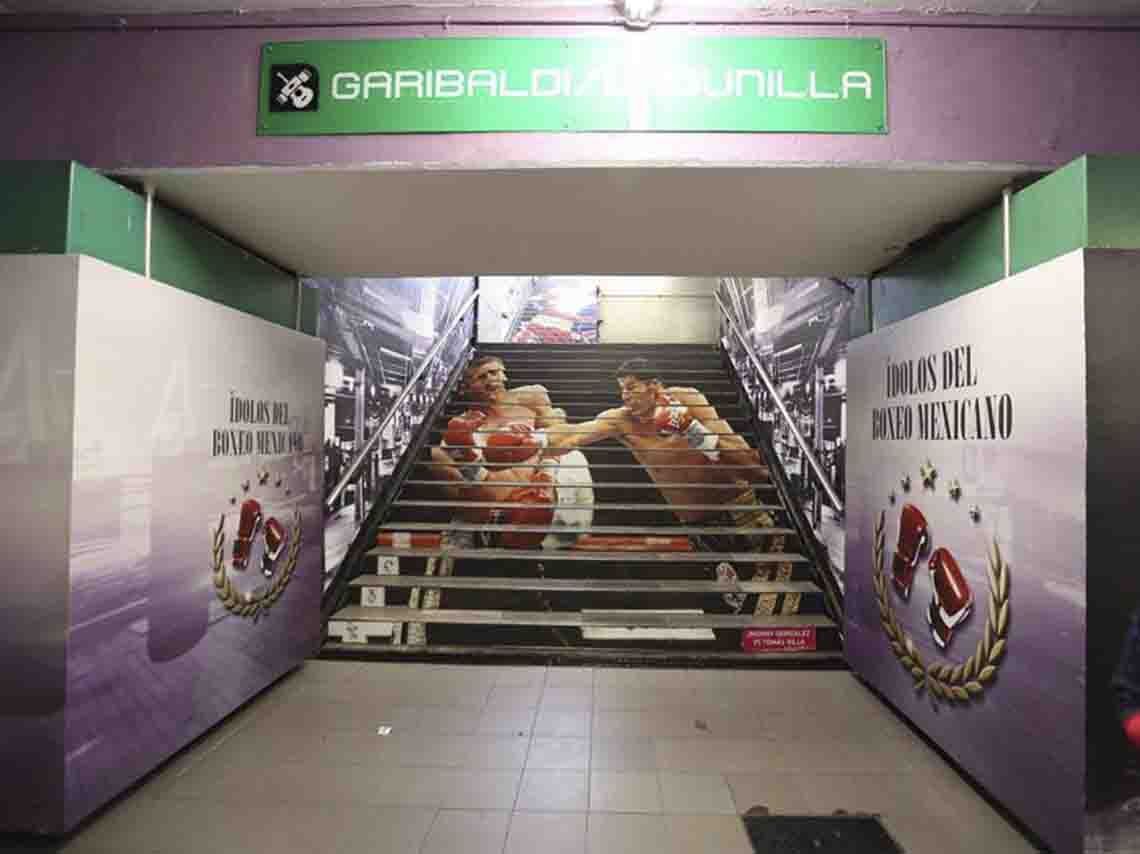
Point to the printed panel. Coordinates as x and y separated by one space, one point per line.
966 534
195 522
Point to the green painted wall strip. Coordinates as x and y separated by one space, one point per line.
310 309
190 257
57 207
1092 202
34 198
1049 218
967 258
1114 202
106 220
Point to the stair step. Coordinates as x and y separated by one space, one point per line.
612 450
517 372
569 384
580 655
589 413
658 530
607 347
555 556
601 484
627 634
599 505
616 356
583 585
711 357
638 466
591 395
400 614
440 431
726 413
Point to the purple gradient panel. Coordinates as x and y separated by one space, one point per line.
187 97
154 657
37 358
1023 740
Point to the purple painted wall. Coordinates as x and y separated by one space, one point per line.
183 93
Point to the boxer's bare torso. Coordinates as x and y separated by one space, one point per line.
707 482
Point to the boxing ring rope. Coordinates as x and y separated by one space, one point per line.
816 468
358 463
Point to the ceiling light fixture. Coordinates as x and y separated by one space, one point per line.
638 13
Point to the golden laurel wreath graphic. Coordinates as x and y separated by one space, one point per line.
248 605
965 681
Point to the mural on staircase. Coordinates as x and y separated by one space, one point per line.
621 485
800 328
377 332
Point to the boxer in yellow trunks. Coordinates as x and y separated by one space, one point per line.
672 426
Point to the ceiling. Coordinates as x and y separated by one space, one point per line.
1093 8
683 221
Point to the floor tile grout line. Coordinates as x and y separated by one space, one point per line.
590 755
526 760
427 836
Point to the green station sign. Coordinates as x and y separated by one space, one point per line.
644 83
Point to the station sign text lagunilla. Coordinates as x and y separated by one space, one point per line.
472 85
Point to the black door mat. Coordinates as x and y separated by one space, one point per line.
819 834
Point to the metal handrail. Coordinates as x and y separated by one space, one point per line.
357 464
816 468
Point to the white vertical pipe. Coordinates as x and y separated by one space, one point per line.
149 231
1006 196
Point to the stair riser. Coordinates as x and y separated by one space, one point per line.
662 518
570 603
586 655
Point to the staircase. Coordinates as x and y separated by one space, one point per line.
436 587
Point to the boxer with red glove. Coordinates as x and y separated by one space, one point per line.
671 417
514 445
912 540
539 496
461 442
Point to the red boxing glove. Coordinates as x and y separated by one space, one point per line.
671 417
539 496
1132 728
950 599
515 444
249 525
461 442
912 540
461 429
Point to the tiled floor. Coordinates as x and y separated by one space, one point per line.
542 761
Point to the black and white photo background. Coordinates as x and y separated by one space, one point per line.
799 329
377 333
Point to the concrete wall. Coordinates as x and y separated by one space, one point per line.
657 309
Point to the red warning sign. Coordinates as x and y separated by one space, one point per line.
779 640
